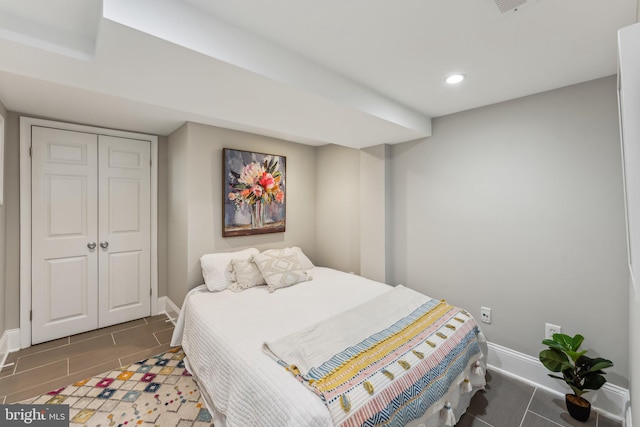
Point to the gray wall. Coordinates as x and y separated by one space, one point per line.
163 200
12 219
3 113
195 200
519 207
374 224
177 213
337 228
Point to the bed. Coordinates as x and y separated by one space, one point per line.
248 353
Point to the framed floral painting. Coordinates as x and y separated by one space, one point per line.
253 193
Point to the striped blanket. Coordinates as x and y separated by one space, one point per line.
396 358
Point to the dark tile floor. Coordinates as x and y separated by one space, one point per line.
54 364
505 402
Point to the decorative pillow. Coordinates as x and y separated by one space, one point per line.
215 267
280 268
305 262
244 275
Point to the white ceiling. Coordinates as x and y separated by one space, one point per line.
350 72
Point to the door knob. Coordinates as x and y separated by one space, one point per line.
104 245
91 245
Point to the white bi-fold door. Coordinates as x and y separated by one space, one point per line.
91 241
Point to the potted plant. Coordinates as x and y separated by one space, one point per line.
580 372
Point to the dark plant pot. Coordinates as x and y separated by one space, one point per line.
578 407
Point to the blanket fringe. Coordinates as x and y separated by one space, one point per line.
477 369
345 403
368 386
466 387
388 374
447 416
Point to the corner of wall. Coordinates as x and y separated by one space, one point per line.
373 212
3 113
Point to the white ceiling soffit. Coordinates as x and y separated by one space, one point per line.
163 55
405 48
40 24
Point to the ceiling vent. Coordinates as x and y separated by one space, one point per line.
509 5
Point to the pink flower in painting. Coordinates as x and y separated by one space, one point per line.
267 181
258 182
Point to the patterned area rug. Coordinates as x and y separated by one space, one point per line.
157 391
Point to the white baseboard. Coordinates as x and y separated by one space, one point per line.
611 400
9 342
168 307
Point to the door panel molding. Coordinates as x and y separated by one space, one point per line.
64 207
124 202
26 124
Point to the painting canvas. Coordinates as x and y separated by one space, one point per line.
253 193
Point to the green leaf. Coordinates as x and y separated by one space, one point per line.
599 364
564 340
554 344
594 382
577 342
554 360
575 355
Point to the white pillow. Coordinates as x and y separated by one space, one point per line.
215 267
304 261
244 275
280 268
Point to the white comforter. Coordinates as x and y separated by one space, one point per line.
223 335
223 332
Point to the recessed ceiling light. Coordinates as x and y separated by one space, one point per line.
455 78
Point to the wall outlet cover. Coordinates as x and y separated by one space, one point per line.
485 314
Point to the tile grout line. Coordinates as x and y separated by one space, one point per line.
528 406
111 333
47 349
15 366
31 369
535 413
157 340
482 421
545 418
51 380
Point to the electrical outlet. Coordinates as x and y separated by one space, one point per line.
485 314
550 329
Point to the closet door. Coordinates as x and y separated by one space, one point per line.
64 233
124 229
91 231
